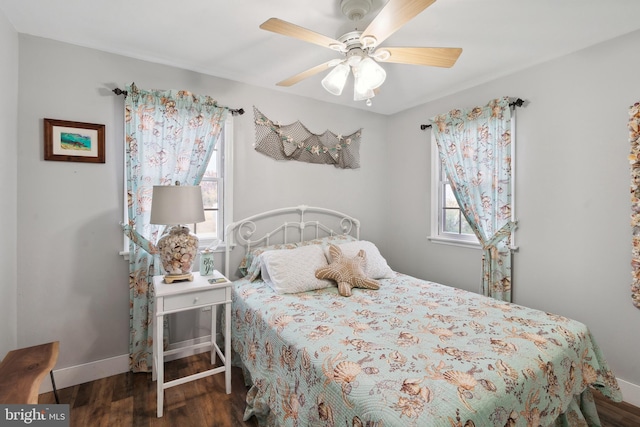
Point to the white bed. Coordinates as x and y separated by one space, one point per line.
413 353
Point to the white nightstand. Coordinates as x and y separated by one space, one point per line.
182 296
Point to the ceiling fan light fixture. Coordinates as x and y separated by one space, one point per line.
369 73
336 79
362 92
354 60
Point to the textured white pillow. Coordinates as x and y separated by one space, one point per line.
376 266
291 271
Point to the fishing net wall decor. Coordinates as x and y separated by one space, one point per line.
295 142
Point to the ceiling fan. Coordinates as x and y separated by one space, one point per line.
361 50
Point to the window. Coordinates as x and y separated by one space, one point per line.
453 220
448 224
217 190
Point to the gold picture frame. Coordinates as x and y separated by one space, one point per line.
69 141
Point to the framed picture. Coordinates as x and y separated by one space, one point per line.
73 141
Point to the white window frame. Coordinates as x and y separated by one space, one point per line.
437 198
438 181
226 181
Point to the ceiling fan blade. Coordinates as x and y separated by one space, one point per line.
285 28
393 15
306 74
431 56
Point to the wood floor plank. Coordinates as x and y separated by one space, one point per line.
121 412
122 387
84 393
130 400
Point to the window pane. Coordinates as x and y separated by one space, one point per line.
212 167
466 228
449 200
210 223
209 194
451 221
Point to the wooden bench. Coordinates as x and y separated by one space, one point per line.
22 372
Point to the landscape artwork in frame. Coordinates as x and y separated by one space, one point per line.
73 141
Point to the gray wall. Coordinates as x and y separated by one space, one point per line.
8 185
572 204
73 284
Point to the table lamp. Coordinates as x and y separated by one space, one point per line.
175 205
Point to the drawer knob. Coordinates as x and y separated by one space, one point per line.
196 300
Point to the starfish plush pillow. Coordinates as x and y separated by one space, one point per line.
348 273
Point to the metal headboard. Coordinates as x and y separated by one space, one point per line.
308 223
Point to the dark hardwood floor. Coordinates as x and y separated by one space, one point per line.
130 400
617 414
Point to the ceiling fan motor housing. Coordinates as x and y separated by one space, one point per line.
355 10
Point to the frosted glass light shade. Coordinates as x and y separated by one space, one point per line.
334 81
361 92
176 204
369 74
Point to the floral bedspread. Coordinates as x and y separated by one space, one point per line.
414 353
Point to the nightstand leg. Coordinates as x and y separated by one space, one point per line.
227 346
159 353
154 358
214 333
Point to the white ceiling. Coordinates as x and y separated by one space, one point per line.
222 38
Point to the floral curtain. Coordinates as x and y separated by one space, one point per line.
634 159
169 137
475 150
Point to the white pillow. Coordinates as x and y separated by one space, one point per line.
291 271
376 266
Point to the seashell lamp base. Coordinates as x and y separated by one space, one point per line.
177 249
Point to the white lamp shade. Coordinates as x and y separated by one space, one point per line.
176 204
334 81
369 75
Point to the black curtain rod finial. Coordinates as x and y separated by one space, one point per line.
119 91
518 102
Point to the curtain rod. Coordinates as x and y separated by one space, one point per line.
234 112
517 103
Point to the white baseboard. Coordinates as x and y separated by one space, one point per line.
630 392
73 375
79 374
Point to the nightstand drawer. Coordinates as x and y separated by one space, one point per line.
190 299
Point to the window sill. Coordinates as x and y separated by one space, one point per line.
454 242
